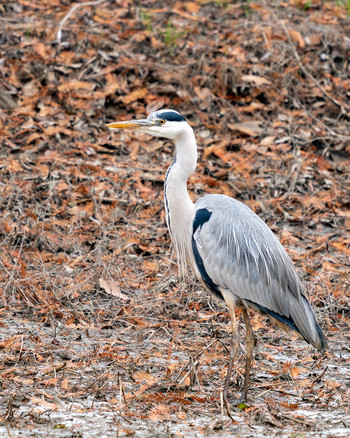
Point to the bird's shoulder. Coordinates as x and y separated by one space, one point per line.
235 244
227 212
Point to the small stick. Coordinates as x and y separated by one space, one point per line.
71 12
309 75
193 359
20 352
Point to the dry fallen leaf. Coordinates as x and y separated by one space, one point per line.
192 7
41 402
295 372
297 37
267 141
134 96
112 288
252 128
142 376
160 413
31 89
256 80
75 84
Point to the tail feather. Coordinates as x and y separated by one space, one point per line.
301 319
307 324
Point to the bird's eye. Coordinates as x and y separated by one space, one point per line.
162 122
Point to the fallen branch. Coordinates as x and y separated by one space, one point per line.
71 12
309 75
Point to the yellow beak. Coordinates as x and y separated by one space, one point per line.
131 124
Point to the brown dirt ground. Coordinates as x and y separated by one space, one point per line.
98 336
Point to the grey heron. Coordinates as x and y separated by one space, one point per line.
230 249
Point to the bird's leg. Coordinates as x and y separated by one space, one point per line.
250 341
234 347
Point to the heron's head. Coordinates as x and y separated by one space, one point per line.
165 123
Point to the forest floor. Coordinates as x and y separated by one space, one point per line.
98 335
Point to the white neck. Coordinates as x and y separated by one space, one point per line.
179 207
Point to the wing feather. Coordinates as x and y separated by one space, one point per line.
240 253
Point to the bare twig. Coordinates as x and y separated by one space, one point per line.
8 430
71 12
194 358
324 126
20 351
225 403
306 73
